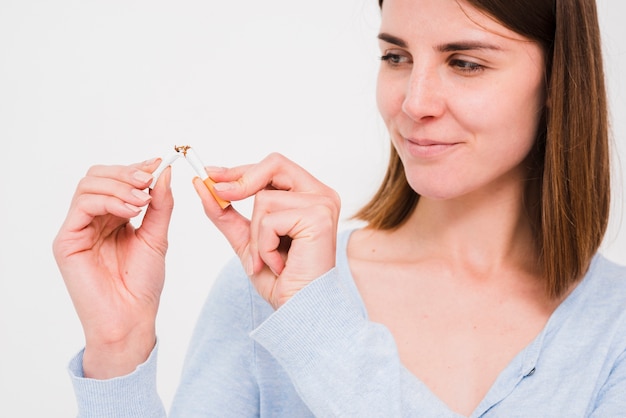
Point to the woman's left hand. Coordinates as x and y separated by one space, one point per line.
291 237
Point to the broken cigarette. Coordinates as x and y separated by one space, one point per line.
194 160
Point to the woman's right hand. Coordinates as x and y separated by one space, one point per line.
113 271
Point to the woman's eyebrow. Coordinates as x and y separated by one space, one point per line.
466 46
394 40
447 47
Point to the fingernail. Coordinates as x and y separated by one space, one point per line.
141 195
214 169
249 266
221 187
142 176
150 161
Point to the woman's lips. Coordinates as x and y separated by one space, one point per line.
427 148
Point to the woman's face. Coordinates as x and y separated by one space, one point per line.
460 94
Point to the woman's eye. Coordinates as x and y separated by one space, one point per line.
394 59
466 66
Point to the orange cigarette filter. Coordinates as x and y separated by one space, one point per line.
209 183
194 160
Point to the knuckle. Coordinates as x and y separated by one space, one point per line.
335 198
275 157
261 199
88 202
83 185
56 247
332 201
245 183
80 199
264 225
319 216
93 169
327 212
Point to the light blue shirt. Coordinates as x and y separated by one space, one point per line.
319 355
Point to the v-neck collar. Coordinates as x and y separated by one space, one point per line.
523 365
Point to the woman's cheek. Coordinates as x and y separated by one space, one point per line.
389 96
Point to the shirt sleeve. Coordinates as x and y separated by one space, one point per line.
218 376
340 363
130 396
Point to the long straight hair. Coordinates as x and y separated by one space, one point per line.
568 188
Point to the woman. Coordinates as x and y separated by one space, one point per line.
473 291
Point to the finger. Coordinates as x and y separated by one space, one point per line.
234 226
314 226
275 171
112 187
269 235
148 165
224 174
135 175
155 224
89 206
270 201
99 195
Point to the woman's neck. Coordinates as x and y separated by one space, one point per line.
481 232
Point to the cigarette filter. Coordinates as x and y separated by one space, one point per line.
194 160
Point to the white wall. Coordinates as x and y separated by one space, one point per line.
86 82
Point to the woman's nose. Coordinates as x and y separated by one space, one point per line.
424 96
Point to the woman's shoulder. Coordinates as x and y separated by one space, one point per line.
608 272
604 287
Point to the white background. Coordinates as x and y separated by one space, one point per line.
87 82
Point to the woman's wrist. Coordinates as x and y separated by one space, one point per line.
115 359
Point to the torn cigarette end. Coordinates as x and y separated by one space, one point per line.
167 161
193 159
182 149
209 183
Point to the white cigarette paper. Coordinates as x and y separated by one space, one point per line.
167 161
194 160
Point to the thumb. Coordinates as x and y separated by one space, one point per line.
234 226
156 221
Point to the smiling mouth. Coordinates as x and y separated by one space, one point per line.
424 148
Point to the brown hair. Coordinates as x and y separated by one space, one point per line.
568 189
